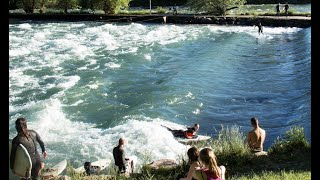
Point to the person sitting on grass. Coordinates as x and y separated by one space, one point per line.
125 164
256 137
211 170
193 155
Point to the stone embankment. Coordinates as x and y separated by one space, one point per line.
274 21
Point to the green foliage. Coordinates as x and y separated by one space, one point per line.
160 9
231 141
111 6
219 7
294 139
28 5
230 147
67 4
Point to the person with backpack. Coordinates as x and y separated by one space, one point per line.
124 164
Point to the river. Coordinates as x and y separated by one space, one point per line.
82 85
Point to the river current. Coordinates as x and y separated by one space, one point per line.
82 85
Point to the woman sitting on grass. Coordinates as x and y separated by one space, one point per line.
193 155
211 171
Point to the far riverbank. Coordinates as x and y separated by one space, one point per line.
246 20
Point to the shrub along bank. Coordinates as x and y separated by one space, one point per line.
289 157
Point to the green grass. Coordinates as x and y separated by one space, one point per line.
289 158
270 175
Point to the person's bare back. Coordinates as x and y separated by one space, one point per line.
256 136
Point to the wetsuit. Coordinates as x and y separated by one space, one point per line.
260 28
119 158
286 7
182 133
278 9
31 145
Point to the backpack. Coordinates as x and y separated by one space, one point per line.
116 157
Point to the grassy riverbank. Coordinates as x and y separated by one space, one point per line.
289 157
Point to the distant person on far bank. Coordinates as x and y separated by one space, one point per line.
286 7
125 164
278 9
256 136
175 9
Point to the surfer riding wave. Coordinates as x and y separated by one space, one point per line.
190 133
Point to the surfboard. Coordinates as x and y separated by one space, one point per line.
101 164
22 163
186 140
197 139
54 171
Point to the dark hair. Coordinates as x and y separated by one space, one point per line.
193 154
21 127
121 141
254 121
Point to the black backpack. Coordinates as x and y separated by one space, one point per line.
116 155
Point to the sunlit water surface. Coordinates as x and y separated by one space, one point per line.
82 85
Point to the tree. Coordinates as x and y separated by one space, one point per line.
29 5
13 4
67 4
111 6
219 7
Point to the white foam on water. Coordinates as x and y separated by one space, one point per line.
93 86
146 139
22 51
147 57
268 32
19 79
26 26
77 103
106 40
112 65
68 82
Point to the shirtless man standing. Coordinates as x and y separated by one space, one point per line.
256 136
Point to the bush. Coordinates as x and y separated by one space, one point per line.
230 147
160 10
294 139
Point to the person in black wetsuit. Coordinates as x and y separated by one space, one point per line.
125 165
190 133
28 138
286 7
260 28
278 9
